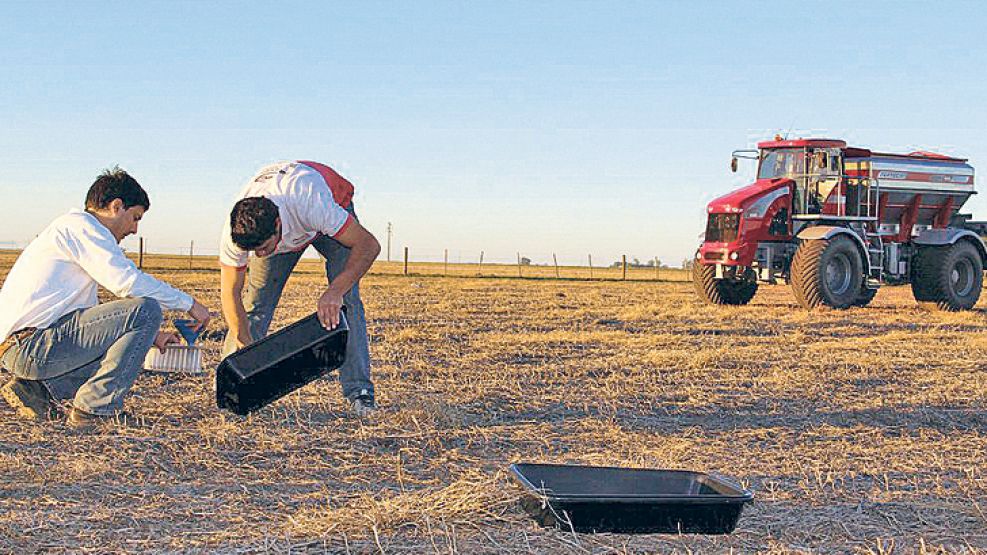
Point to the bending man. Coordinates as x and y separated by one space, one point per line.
59 342
282 210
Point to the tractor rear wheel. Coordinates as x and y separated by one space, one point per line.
827 272
950 277
721 291
925 263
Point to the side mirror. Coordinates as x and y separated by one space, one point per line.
733 164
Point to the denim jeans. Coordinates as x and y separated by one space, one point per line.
266 278
91 356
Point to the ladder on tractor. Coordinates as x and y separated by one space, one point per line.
875 254
875 244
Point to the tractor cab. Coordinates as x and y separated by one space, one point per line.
824 186
815 167
814 171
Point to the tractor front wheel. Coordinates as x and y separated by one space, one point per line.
827 272
721 291
865 296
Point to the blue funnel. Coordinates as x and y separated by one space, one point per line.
185 329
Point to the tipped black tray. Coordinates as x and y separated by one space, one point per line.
627 500
282 362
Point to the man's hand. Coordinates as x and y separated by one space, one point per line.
200 314
230 290
242 341
166 338
364 248
329 304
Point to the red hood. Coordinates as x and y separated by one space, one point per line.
736 201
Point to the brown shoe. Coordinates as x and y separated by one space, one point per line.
31 400
82 420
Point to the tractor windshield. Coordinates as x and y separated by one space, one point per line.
785 162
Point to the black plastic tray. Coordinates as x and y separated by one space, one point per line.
628 500
282 362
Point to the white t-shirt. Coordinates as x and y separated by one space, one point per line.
60 270
305 204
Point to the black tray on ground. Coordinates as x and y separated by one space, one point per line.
282 362
627 500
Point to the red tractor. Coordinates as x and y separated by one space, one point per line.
836 222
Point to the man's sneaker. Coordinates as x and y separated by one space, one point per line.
30 398
363 403
82 420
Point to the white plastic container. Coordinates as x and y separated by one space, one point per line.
176 358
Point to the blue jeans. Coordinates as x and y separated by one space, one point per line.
91 356
266 278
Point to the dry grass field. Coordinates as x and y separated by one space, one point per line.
862 431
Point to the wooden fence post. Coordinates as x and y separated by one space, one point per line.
518 264
657 269
140 254
590 266
556 261
446 271
406 261
625 266
480 264
191 249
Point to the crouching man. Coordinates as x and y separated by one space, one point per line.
282 210
59 342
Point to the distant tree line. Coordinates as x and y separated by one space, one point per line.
635 263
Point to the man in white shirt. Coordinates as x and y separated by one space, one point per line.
285 208
58 341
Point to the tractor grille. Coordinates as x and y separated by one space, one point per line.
722 228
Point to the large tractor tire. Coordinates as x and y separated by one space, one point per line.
865 296
827 272
925 262
949 277
721 291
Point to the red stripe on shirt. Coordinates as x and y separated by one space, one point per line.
346 224
342 189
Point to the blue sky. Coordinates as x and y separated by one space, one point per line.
542 127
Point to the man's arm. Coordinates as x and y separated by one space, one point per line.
99 255
364 249
103 259
231 294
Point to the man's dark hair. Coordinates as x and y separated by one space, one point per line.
253 221
114 183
